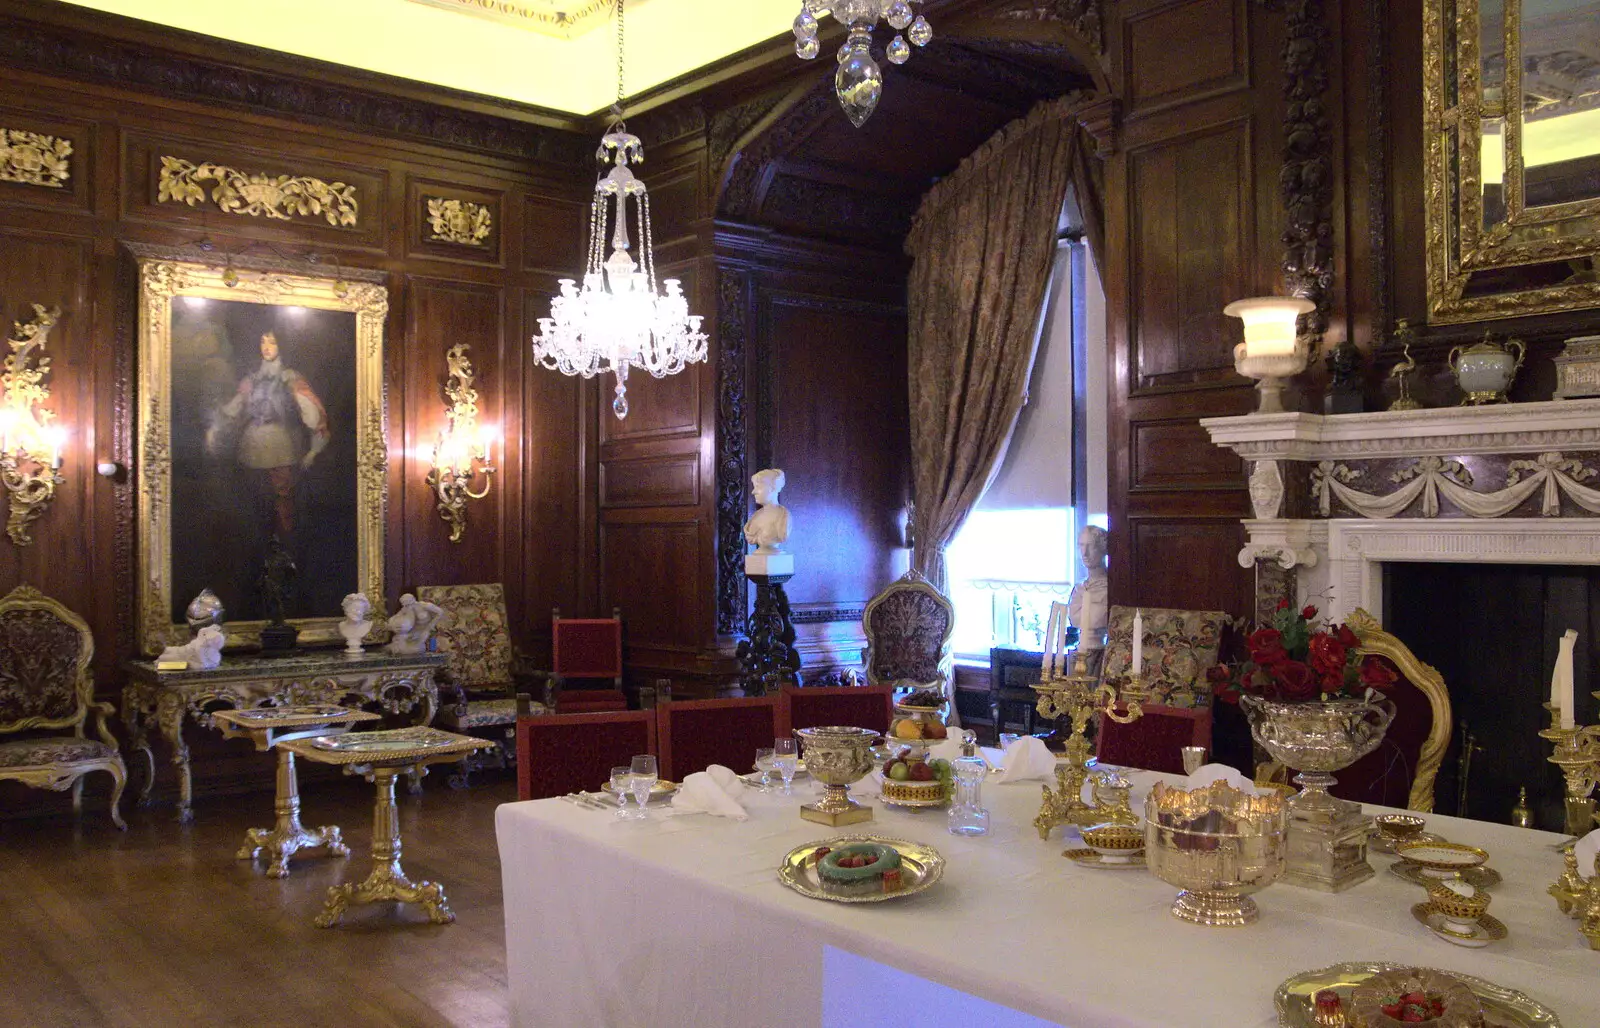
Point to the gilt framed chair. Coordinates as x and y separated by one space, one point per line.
565 753
861 706
908 627
1180 646
585 649
46 688
1155 740
484 669
694 734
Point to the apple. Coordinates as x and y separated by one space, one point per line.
899 771
934 730
921 772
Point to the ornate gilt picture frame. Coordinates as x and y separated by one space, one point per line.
261 429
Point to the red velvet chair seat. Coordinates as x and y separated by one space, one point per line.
695 734
1155 741
558 754
862 706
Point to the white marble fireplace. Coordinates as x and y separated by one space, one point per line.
1337 497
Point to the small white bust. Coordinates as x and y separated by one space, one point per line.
1089 606
204 651
412 625
357 621
768 528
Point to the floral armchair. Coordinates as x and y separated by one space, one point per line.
45 687
908 628
1179 647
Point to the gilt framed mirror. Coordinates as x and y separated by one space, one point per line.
1512 117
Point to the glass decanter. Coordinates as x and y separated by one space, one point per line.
967 816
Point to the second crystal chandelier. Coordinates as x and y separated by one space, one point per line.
859 80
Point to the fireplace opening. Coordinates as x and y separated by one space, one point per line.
1491 630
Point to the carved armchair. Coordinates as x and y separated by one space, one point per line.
45 687
908 628
587 650
483 672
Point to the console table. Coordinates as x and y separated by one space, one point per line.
390 683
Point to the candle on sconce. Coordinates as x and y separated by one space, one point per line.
1137 666
1562 683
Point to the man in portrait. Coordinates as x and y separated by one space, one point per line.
275 426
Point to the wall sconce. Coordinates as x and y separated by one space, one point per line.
1273 348
464 452
30 446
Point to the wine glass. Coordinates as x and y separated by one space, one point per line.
1194 757
620 784
764 765
642 779
784 758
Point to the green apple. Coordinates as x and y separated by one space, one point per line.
899 771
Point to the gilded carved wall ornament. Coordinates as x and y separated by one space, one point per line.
30 446
34 159
256 194
458 221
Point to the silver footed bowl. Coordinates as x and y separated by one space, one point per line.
1217 844
838 756
1318 737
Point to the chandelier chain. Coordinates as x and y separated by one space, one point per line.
620 40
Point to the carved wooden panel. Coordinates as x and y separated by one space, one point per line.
1181 52
651 481
675 199
78 137
659 407
1189 255
651 568
1189 563
1180 455
555 232
452 222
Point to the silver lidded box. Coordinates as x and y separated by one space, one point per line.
1578 368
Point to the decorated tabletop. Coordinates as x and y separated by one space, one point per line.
258 718
277 667
396 746
1011 922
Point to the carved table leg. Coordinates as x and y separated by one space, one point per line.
287 836
386 880
169 715
137 718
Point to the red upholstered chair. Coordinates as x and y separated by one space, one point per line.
586 648
558 754
1155 741
695 734
862 706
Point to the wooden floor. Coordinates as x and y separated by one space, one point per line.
160 926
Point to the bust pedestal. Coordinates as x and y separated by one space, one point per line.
767 659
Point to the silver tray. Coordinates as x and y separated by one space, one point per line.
1502 1008
921 865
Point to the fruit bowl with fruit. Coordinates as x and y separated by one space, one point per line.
909 779
918 725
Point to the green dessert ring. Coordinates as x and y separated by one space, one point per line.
887 858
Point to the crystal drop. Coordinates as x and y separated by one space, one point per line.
619 406
859 84
807 48
920 32
805 23
899 15
899 51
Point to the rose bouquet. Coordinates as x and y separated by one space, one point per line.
1297 659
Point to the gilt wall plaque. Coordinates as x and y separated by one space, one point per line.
34 159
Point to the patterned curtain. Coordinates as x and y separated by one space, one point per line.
982 246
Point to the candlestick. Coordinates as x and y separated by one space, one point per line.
1137 667
1578 757
1564 677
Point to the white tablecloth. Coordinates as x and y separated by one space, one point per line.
681 922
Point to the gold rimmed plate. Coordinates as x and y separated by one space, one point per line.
1089 858
660 790
920 867
1504 1008
1477 877
1485 930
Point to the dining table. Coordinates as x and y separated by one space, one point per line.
680 920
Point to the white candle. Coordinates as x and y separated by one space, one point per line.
1137 667
1564 677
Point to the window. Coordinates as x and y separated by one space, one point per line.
1005 567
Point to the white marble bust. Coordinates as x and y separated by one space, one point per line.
413 624
357 621
768 528
1089 607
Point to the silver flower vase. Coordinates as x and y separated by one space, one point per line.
1327 835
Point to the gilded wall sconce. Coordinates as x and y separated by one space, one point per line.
464 452
30 446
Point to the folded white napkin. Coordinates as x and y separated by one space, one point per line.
711 791
1585 851
1209 773
1027 758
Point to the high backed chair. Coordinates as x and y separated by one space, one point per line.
482 665
908 628
1155 740
1180 646
694 734
568 753
861 706
45 686
585 648
1402 770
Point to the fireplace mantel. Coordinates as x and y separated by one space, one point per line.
1337 496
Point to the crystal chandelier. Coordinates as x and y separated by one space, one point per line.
859 80
616 319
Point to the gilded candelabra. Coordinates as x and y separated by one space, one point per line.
30 447
1577 754
1079 695
1579 897
463 452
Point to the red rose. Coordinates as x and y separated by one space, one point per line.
1308 613
1347 637
1266 647
1283 604
1296 681
1376 674
1328 656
